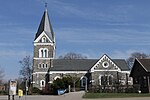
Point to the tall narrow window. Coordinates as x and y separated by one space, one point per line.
110 80
39 65
42 83
102 80
43 65
106 80
83 81
43 52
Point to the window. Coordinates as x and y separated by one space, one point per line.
42 83
45 65
144 81
106 80
103 80
105 64
43 52
44 39
110 80
57 77
39 66
42 66
46 53
83 81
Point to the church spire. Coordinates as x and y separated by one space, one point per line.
45 26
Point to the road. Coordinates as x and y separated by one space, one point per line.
68 96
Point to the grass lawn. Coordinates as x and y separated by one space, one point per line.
114 95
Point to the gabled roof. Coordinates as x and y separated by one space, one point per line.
145 63
45 26
121 63
73 64
141 67
82 64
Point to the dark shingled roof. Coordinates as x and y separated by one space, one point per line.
145 63
121 63
83 64
45 25
73 65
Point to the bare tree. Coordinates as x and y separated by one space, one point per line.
1 74
135 55
26 67
26 71
72 55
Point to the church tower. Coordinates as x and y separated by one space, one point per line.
44 51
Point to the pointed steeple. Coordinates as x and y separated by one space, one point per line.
45 26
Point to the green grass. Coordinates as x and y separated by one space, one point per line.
114 95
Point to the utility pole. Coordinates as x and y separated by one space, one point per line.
86 85
25 88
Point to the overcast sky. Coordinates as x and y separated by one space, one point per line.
90 27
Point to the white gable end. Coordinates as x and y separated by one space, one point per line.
105 61
41 35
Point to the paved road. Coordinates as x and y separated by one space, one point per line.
68 96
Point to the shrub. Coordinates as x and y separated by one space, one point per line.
3 93
35 90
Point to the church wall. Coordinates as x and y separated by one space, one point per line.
36 50
37 78
52 76
121 76
37 67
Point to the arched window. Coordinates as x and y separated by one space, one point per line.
44 39
110 80
106 80
57 77
43 52
39 65
42 83
43 65
83 81
46 53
